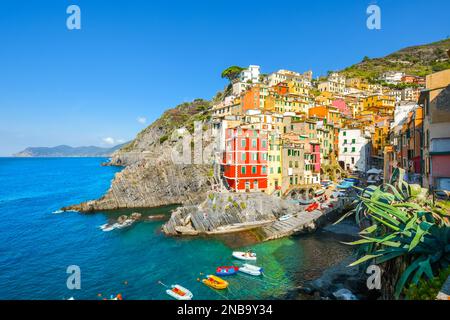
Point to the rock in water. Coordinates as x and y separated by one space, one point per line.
344 294
122 219
136 216
156 217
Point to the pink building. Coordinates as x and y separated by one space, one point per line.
341 106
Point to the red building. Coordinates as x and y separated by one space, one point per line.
244 161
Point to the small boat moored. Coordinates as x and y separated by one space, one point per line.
285 217
226 271
251 269
312 207
180 293
215 282
319 192
244 255
304 202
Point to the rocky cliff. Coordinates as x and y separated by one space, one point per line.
150 177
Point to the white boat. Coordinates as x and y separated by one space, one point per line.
251 270
244 255
252 267
285 217
319 192
305 201
180 293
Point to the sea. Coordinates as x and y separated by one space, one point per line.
40 246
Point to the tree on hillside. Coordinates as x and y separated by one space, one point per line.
232 72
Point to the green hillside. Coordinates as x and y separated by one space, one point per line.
417 60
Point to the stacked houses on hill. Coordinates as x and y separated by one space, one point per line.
285 129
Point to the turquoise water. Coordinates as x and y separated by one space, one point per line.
37 245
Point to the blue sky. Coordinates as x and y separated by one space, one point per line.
134 59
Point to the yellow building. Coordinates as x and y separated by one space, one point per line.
297 88
274 163
324 99
286 103
380 138
382 105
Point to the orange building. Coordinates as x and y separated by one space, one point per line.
281 88
251 99
320 112
332 115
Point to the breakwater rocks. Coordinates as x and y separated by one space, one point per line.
227 212
267 216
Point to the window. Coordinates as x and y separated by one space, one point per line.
254 143
345 141
353 141
264 169
290 164
253 170
279 169
243 143
243 170
254 156
264 156
345 149
264 143
353 149
353 160
344 133
243 156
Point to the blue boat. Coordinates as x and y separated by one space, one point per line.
226 271
353 180
345 185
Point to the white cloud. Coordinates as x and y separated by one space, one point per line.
109 140
142 120
120 141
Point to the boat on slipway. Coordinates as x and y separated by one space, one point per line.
285 217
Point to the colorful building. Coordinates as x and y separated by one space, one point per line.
382 105
354 150
436 125
295 149
274 163
244 162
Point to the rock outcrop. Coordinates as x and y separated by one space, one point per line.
228 212
150 177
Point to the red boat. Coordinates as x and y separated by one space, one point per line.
226 270
312 207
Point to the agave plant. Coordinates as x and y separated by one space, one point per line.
403 222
